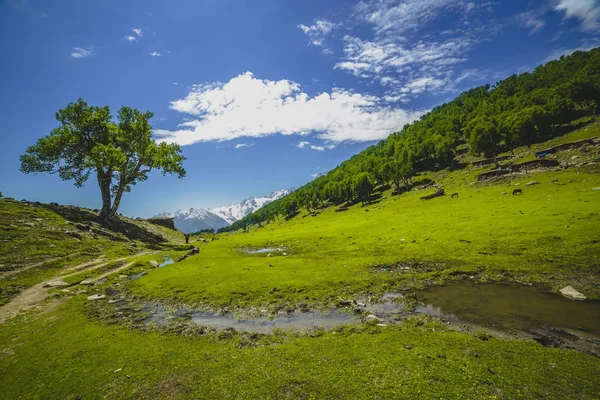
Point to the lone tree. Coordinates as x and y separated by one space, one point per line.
120 153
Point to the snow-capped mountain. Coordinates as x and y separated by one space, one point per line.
236 211
196 219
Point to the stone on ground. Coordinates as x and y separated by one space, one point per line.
570 293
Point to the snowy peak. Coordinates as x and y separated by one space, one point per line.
236 211
196 219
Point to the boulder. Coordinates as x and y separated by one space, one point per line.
95 297
154 263
55 284
87 282
532 183
192 252
373 318
570 293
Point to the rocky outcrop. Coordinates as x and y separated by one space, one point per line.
167 222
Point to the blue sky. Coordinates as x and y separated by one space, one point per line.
261 94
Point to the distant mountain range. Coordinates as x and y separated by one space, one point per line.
196 219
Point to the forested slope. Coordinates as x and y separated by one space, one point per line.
487 120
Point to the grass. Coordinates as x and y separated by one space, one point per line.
39 240
550 234
65 355
553 230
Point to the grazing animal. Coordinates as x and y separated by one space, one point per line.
453 195
187 237
517 191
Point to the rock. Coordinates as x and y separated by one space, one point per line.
531 183
269 255
192 252
52 246
596 188
343 302
407 346
570 293
123 276
574 157
284 253
373 318
154 263
31 224
95 297
87 282
55 284
382 325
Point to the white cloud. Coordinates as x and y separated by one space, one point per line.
130 38
587 11
410 70
138 32
239 145
531 21
409 52
155 54
175 83
302 145
250 107
80 52
586 46
318 31
400 16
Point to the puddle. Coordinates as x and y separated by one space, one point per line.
502 307
167 261
510 307
264 250
293 321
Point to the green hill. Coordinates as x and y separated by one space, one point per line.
520 110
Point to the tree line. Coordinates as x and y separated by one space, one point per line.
487 120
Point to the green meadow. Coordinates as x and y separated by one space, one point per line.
63 347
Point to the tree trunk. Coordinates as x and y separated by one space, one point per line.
104 183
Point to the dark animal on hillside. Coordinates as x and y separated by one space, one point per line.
439 192
517 191
453 195
187 237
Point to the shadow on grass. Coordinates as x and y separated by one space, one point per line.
86 220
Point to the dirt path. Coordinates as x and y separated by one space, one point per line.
32 296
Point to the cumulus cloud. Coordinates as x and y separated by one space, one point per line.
80 52
318 31
155 53
240 145
250 107
138 32
302 145
587 11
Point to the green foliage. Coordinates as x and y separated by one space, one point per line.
520 110
121 154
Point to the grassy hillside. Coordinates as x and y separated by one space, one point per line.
549 234
39 240
65 346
